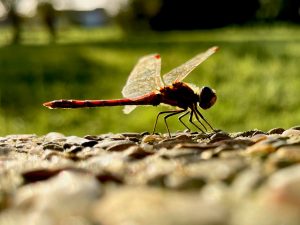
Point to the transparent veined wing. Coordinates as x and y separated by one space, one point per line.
144 78
179 73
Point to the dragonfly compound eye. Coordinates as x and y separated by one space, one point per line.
207 97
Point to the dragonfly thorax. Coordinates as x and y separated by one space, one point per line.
179 94
207 97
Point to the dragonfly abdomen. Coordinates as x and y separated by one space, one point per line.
152 99
72 104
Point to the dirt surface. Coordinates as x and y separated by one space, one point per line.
240 178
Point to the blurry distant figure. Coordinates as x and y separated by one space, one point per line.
45 11
14 18
16 21
48 17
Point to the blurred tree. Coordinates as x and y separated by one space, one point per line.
284 10
290 11
195 14
268 10
137 14
188 14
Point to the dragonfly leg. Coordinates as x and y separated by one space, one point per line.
191 121
198 119
172 114
202 117
180 119
164 112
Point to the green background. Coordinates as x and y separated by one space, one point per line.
255 73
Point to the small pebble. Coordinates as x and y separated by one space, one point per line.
120 146
89 143
74 140
74 149
108 143
247 133
295 127
259 137
145 133
278 130
4 150
53 146
220 136
39 175
291 132
93 137
136 152
131 135
150 139
286 156
54 136
260 149
105 177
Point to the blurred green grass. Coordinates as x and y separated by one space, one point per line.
256 75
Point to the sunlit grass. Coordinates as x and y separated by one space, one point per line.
256 75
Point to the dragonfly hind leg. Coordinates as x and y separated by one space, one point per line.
170 113
180 119
158 115
173 114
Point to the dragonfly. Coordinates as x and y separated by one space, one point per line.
146 86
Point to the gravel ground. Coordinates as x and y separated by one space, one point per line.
240 178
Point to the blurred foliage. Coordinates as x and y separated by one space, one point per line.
285 10
256 75
269 9
194 14
138 13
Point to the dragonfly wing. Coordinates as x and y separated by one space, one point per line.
129 108
179 73
144 78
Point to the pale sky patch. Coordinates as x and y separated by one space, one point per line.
28 7
2 11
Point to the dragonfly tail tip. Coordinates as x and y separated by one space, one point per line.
48 105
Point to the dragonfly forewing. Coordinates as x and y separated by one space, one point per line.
180 72
144 78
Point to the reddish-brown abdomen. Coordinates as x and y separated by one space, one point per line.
149 99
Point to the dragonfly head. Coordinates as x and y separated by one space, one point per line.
207 97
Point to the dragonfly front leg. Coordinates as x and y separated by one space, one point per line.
192 122
197 118
202 117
